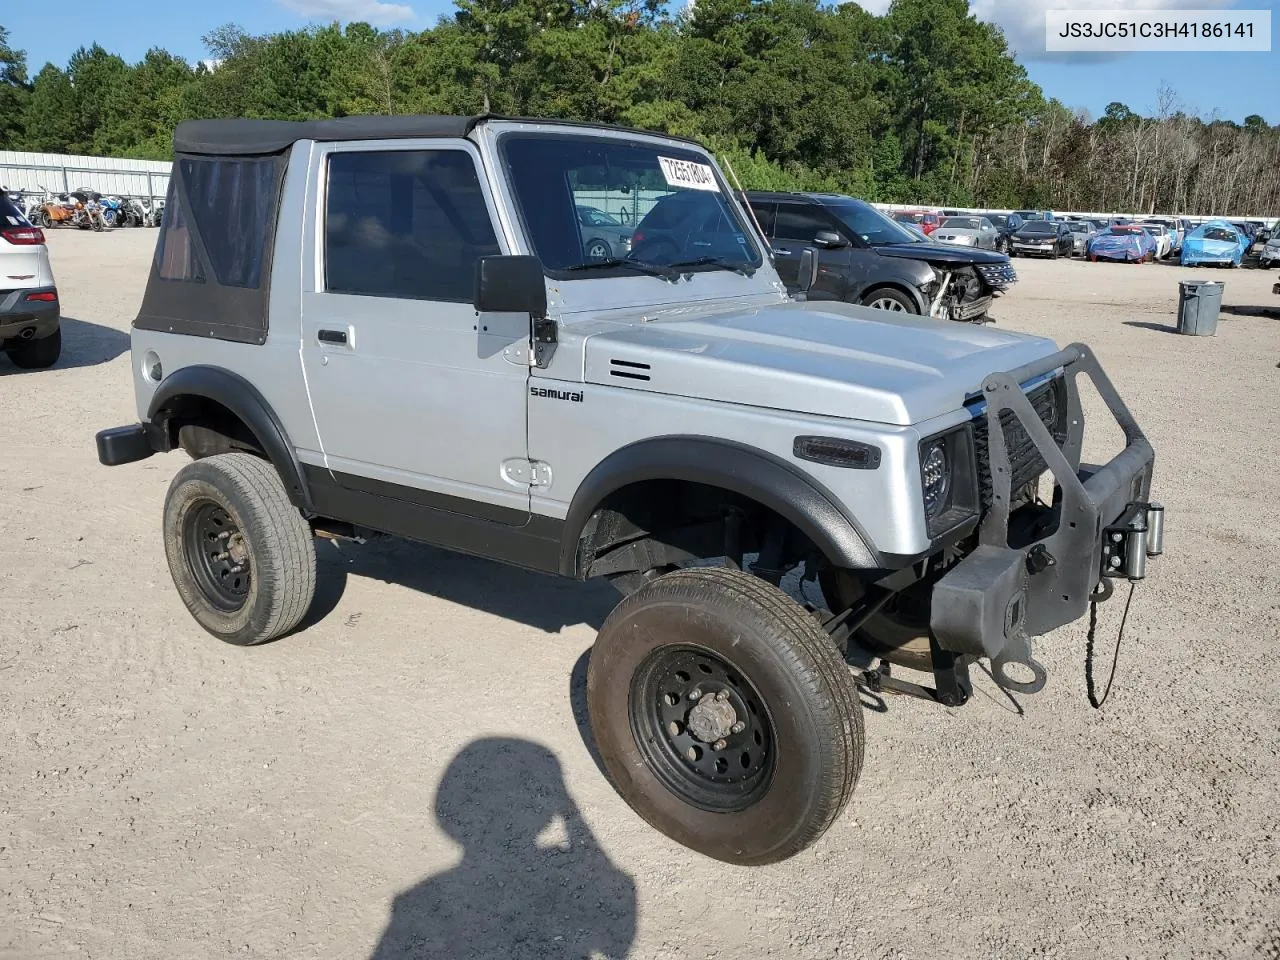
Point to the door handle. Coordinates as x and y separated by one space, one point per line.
331 336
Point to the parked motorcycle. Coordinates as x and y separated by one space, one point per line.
113 211
87 213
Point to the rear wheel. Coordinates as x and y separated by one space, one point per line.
891 300
724 715
241 555
37 354
598 250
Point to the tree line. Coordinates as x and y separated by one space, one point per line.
924 104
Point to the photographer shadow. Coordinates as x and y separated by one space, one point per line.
516 893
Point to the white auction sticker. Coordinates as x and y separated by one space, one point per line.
1135 31
690 175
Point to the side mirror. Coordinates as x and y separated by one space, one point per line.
511 285
808 270
829 240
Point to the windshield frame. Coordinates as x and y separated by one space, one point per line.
659 146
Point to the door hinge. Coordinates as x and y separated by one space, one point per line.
526 473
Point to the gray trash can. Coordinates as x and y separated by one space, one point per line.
1198 304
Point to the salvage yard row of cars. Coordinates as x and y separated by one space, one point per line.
1031 233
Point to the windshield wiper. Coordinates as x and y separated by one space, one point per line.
640 266
745 269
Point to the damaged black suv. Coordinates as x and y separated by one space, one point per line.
865 257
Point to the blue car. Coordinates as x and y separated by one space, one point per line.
1127 244
1216 242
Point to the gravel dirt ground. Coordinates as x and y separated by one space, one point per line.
163 795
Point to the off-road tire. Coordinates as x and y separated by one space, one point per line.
805 691
280 547
36 354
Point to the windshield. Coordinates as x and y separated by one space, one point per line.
962 223
679 205
1000 219
1039 226
1221 233
870 225
1079 226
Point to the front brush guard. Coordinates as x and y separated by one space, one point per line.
991 602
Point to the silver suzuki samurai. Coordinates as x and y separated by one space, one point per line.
399 325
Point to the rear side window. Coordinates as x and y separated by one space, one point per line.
405 224
174 257
232 202
799 222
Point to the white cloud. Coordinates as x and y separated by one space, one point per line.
877 7
1023 20
369 11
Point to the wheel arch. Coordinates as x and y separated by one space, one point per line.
186 396
743 471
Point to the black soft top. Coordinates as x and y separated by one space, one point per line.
239 138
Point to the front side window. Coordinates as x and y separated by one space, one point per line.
409 224
681 209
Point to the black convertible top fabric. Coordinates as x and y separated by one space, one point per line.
238 138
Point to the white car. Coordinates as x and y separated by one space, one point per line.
1163 238
29 310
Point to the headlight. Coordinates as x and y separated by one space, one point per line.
935 474
948 480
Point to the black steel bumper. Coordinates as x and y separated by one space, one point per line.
137 441
993 600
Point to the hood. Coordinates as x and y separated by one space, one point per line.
827 359
940 253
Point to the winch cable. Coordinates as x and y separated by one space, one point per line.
1088 651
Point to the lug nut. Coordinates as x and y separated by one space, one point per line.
1115 562
673 728
692 754
225 535
722 696
219 557
695 694
738 727
1117 537
238 568
719 745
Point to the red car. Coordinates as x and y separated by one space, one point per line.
926 220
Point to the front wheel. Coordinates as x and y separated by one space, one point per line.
892 300
724 715
598 250
241 555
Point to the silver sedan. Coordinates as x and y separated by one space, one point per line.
968 232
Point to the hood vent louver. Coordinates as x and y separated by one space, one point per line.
628 370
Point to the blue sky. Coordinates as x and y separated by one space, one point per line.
1228 85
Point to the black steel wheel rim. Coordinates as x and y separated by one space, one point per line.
716 754
217 555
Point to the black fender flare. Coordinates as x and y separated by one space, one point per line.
243 399
760 476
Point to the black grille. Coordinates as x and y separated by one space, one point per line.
1024 458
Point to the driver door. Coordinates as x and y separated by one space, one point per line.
406 405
